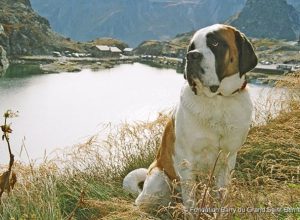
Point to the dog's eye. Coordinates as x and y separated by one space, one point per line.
213 42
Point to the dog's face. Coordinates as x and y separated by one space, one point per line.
217 59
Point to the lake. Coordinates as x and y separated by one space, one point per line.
60 110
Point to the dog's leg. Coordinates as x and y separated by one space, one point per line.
187 182
225 166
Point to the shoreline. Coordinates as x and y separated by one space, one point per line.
50 64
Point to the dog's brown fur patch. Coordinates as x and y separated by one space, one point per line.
164 160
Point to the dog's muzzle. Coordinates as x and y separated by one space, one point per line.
214 88
193 68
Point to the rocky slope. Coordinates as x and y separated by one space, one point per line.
295 3
3 61
24 32
268 19
133 21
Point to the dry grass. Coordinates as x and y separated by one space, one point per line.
85 183
273 150
51 190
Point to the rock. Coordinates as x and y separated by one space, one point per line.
268 19
3 61
1 29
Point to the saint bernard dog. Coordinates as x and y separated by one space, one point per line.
211 121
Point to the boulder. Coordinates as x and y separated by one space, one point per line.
1 29
3 61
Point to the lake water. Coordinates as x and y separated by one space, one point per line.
60 110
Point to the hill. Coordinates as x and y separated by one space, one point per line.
268 19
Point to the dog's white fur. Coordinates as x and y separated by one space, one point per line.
205 124
224 131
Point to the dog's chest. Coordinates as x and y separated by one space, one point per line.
204 125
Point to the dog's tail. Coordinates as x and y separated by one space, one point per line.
134 181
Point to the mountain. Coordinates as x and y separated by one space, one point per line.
133 21
24 32
295 3
268 19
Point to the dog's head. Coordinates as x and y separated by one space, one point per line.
217 59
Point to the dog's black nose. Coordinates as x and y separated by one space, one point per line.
214 88
194 55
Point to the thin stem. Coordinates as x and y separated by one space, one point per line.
7 174
210 180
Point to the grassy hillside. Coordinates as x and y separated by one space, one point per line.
89 187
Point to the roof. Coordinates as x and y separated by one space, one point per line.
128 49
103 47
115 50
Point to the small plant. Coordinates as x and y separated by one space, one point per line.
8 179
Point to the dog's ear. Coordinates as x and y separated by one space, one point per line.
247 56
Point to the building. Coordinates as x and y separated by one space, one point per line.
128 51
105 51
100 51
115 52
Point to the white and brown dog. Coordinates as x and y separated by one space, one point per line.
213 115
